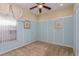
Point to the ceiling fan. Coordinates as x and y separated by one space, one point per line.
40 6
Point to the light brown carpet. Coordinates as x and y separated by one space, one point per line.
40 48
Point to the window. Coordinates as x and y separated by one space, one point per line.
8 26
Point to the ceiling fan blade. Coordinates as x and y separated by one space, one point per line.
46 7
43 3
40 10
37 3
33 7
40 3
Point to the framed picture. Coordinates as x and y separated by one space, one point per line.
27 24
59 24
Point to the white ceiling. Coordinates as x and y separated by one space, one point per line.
54 6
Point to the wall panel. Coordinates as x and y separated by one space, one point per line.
48 32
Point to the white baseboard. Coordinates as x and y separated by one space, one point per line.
23 44
61 44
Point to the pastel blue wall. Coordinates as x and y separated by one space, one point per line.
42 30
68 31
76 29
48 32
27 35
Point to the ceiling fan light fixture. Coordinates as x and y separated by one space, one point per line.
61 4
40 6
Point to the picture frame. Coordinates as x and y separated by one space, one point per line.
59 24
27 24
